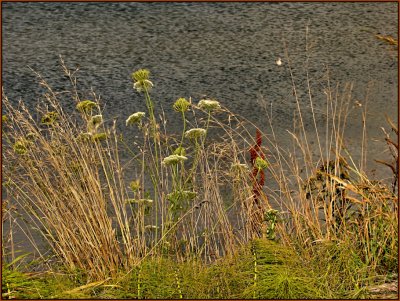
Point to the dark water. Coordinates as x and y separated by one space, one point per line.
226 51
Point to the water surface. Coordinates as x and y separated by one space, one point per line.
226 51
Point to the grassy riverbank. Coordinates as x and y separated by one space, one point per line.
219 210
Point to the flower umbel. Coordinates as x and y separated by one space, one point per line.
195 133
209 105
181 105
135 118
141 80
85 106
173 159
95 122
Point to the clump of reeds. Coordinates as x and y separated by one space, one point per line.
198 196
99 214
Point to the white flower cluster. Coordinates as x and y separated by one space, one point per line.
173 159
195 133
209 105
135 118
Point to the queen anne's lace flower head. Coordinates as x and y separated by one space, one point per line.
195 133
85 106
181 105
94 122
135 118
174 159
141 80
209 105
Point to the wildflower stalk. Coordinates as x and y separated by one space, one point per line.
182 105
184 128
207 125
196 160
143 84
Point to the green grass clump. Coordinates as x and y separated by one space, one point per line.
264 270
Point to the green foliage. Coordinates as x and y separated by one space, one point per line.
15 284
264 270
260 163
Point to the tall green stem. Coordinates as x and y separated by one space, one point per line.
184 128
155 179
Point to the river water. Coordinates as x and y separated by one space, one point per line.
226 51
